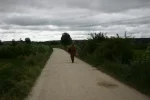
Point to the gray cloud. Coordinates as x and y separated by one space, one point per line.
47 17
110 6
26 20
99 5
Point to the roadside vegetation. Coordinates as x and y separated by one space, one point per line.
21 62
126 59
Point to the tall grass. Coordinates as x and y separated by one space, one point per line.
20 65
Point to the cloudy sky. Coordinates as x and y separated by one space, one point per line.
43 20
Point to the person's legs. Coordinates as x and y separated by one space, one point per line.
72 58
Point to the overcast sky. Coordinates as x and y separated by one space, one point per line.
43 20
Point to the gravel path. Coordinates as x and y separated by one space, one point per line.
62 80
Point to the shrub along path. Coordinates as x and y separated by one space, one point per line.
62 80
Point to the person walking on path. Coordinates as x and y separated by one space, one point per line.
72 51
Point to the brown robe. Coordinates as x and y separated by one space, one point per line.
72 51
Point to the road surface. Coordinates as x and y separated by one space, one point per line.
62 80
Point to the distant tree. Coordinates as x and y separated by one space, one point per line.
21 40
27 40
118 36
125 34
1 43
13 42
66 39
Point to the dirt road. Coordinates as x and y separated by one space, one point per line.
62 80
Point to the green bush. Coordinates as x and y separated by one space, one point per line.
140 76
8 51
92 44
121 71
115 49
19 73
141 71
23 49
137 54
30 61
